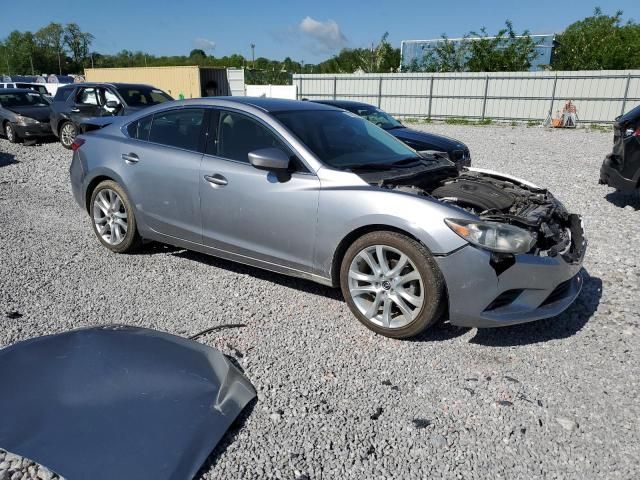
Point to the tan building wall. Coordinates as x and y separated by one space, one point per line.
173 80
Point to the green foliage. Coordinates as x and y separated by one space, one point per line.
382 58
599 42
504 52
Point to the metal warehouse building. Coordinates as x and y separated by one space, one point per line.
188 81
411 50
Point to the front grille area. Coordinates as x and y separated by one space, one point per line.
560 292
504 299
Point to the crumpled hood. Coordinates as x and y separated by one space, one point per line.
427 141
40 113
118 402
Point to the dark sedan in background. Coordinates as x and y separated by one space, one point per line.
24 114
621 168
76 103
457 151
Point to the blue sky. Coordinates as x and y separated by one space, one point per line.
304 30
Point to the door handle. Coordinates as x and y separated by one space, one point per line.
130 158
216 179
75 110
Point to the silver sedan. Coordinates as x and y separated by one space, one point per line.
313 191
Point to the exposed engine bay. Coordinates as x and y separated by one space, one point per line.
498 199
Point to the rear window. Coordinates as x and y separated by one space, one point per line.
63 94
140 128
178 128
143 96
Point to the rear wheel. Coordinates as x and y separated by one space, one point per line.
392 284
112 216
10 133
68 134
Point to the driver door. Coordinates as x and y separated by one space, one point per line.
86 105
256 213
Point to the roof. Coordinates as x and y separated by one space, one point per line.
346 104
112 84
276 104
16 90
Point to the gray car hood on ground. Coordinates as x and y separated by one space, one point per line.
118 402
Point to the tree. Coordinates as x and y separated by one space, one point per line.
197 52
598 42
479 52
51 39
78 43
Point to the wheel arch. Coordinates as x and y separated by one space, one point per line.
91 186
352 236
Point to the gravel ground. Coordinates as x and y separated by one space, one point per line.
553 399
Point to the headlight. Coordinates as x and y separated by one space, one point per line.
24 121
494 236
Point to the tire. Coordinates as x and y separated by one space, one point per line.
68 132
10 133
112 217
417 283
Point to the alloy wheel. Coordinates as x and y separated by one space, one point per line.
68 134
110 216
9 132
386 286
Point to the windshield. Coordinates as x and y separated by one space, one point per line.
142 97
22 99
344 140
377 117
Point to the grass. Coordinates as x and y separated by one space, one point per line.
466 121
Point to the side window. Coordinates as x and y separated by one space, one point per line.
87 96
63 94
178 128
140 128
238 135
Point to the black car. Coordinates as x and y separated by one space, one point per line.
621 168
24 114
77 102
457 151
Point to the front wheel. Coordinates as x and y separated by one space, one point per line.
112 216
392 284
10 133
68 134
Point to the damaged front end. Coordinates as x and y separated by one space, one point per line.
621 168
496 198
524 257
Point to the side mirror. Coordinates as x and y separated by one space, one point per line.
272 159
112 104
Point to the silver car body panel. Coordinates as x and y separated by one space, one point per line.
251 219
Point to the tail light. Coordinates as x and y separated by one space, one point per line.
77 143
637 132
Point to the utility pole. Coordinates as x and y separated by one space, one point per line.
253 55
31 60
92 60
302 66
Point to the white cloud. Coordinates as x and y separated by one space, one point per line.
327 34
204 44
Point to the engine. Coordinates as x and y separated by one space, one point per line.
493 198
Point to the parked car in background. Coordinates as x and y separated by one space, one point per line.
621 168
75 103
38 87
312 191
421 141
24 114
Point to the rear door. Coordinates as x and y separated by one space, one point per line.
162 158
86 104
255 213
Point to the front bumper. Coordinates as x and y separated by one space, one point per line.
609 175
533 288
33 131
